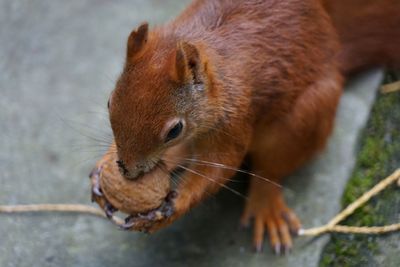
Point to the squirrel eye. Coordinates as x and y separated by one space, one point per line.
174 132
108 104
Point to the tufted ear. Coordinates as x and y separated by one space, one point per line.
137 39
189 66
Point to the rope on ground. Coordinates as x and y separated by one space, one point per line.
332 226
72 208
391 87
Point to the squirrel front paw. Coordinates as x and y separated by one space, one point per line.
96 192
152 220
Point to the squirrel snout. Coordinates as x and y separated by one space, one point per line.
136 171
122 168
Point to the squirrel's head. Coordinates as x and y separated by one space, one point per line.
161 100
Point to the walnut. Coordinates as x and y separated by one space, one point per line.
133 196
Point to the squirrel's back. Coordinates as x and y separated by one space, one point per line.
274 48
369 32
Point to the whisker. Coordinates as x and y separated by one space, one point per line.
103 140
222 166
157 164
228 179
161 164
214 181
179 176
91 130
100 152
174 174
84 161
87 145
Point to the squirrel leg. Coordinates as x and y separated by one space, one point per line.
278 149
266 205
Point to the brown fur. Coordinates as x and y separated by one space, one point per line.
369 32
248 77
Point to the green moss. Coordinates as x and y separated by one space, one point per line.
379 156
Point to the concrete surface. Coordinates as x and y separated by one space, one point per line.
58 62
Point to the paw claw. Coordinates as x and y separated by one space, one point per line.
287 250
292 221
258 248
94 171
97 191
109 210
277 249
95 176
129 223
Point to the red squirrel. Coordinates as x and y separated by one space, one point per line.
228 79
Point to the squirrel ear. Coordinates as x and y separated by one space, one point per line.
188 63
137 39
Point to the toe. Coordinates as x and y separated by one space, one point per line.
286 239
96 190
94 171
245 219
292 221
258 234
273 236
95 177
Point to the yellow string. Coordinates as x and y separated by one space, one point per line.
391 87
331 226
73 208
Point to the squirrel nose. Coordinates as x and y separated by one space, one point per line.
134 173
122 168
138 170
